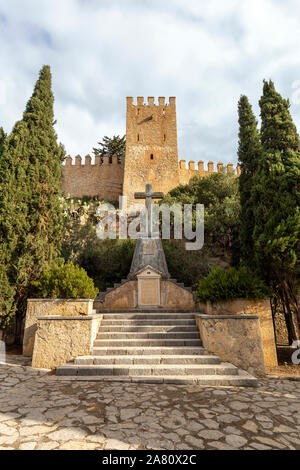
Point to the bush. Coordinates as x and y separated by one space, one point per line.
185 266
107 261
230 285
65 281
220 195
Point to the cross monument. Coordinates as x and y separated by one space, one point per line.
149 195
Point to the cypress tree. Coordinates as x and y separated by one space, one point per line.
249 153
31 217
7 292
2 139
276 203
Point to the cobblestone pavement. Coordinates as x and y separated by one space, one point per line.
41 411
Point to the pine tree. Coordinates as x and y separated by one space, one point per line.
249 154
31 218
115 146
276 203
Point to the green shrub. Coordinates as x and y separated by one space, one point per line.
65 281
185 266
230 285
220 195
105 261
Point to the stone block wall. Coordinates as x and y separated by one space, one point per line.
260 308
59 339
126 297
44 307
103 180
235 339
186 173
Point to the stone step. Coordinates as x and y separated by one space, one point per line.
164 322
148 316
140 311
146 342
142 351
150 335
147 359
241 380
148 328
161 369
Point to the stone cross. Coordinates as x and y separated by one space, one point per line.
149 195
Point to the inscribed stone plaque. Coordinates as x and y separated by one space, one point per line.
149 291
149 248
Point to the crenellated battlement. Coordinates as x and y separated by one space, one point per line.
220 168
140 101
107 161
102 178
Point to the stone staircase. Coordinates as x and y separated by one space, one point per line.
153 346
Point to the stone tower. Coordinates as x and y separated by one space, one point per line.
151 146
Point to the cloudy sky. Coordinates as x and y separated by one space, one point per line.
205 53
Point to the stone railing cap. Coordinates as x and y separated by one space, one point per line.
61 300
78 317
229 316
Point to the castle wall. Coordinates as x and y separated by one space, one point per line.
102 180
151 157
186 173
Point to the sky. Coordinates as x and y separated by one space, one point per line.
206 53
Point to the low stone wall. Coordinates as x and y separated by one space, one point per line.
174 296
126 297
262 309
44 307
234 338
60 339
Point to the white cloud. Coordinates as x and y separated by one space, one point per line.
100 51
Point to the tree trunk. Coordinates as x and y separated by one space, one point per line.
274 310
289 303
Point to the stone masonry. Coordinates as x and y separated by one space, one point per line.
151 157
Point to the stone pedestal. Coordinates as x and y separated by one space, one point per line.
149 252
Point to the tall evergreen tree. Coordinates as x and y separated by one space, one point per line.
249 154
276 203
7 292
2 139
31 218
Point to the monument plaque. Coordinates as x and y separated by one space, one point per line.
149 248
148 287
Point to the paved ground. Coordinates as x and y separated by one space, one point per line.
41 411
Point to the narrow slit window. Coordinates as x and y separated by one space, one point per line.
151 156
138 137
